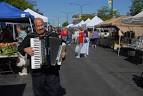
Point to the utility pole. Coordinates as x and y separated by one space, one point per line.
58 21
110 4
66 15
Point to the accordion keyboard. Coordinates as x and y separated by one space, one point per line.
36 59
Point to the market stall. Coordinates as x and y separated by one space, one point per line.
115 24
37 15
137 19
8 50
93 22
8 54
14 15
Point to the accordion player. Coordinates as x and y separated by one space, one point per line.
47 52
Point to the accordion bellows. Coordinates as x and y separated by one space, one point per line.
45 50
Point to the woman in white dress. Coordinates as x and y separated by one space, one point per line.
85 47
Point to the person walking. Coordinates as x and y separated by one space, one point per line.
95 37
64 34
80 42
85 48
21 59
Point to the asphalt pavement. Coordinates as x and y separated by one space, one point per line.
102 73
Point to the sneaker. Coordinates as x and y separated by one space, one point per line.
22 74
24 70
85 55
77 56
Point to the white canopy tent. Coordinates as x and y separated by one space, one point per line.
79 24
94 21
137 19
139 15
76 25
36 15
70 25
87 21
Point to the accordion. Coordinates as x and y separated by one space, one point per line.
47 51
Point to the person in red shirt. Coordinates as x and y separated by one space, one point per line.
64 34
80 41
81 37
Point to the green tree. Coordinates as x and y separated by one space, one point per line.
136 7
65 24
85 17
21 4
106 13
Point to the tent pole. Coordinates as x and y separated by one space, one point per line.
47 25
93 30
119 45
120 34
13 31
31 24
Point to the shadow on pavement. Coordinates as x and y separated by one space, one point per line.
12 90
62 91
133 60
138 80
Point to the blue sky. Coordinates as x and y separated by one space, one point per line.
55 9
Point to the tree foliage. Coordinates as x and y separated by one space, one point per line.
85 17
136 7
106 13
65 24
21 4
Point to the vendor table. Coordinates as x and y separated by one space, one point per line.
136 53
7 62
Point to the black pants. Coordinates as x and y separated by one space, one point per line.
46 83
94 41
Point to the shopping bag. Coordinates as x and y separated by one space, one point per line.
76 48
84 49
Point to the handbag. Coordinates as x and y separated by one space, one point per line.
85 40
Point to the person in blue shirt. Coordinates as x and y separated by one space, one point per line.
22 59
95 37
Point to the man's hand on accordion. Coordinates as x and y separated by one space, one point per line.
29 51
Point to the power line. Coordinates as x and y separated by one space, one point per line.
80 6
67 15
